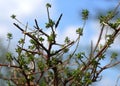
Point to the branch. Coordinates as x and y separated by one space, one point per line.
107 66
68 80
107 45
99 38
37 27
33 37
34 52
9 65
62 48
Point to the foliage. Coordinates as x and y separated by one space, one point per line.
39 64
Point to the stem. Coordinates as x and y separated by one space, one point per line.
31 36
26 77
99 38
8 65
55 76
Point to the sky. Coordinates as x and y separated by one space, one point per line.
28 10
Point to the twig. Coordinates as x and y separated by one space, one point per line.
9 65
34 52
62 48
107 45
33 37
37 27
99 38
117 80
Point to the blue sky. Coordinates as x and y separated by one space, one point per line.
28 10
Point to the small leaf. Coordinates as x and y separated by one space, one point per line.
79 31
113 25
67 40
9 36
80 55
85 14
118 20
41 66
9 56
21 41
114 55
48 5
32 41
103 19
18 50
41 39
50 24
13 16
51 38
66 50
110 15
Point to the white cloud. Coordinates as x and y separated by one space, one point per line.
27 7
105 82
21 8
70 31
3 31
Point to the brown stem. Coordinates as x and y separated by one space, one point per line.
33 37
62 48
37 27
35 52
56 80
8 65
26 77
99 38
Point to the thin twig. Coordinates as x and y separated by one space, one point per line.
9 65
101 32
31 36
63 48
40 30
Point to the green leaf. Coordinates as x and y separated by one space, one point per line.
18 50
114 55
41 66
66 50
21 41
30 57
80 55
41 39
95 63
9 36
51 37
114 25
118 20
102 56
9 56
85 14
32 41
48 5
31 47
103 19
13 16
110 15
79 31
67 40
50 24
22 62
